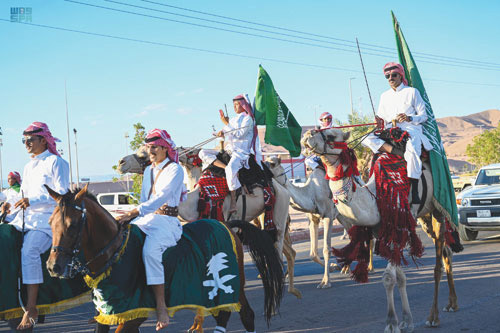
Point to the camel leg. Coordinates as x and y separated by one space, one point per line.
197 323
313 235
438 230
290 253
389 280
327 245
448 265
372 248
406 324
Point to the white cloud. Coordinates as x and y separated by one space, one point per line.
180 93
198 91
154 107
184 110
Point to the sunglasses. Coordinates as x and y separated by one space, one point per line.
30 139
393 75
325 119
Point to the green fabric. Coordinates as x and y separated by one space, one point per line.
281 127
125 289
53 290
16 187
444 193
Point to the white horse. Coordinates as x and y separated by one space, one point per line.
361 207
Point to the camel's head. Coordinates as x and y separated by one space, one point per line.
189 158
274 164
134 163
322 142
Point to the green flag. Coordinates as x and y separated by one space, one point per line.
444 195
281 127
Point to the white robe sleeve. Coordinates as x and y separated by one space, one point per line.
419 106
60 183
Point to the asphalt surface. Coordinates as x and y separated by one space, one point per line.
352 307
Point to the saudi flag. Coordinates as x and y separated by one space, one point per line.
444 195
281 127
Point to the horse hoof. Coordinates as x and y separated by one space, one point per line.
432 324
449 308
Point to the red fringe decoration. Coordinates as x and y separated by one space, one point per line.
213 191
358 250
269 199
397 227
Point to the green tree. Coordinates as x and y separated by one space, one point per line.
362 153
485 148
137 141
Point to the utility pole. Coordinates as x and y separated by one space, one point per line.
350 92
126 154
69 140
76 155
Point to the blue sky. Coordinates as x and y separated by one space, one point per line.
114 83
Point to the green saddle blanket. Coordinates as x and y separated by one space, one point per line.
54 294
201 274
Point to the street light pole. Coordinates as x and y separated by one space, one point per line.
126 154
69 140
350 92
76 153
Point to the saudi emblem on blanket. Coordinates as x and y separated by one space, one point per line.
54 295
201 274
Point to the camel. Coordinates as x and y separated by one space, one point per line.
188 209
314 199
360 206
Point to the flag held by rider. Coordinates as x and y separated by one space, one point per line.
281 127
444 195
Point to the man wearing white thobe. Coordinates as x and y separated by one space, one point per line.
162 186
405 105
241 140
313 161
46 167
11 195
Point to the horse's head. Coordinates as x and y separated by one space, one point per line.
274 164
134 163
67 223
323 142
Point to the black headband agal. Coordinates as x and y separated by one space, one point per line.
391 68
38 130
153 139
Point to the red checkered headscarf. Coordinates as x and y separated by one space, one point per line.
328 116
245 103
41 129
160 137
16 176
394 67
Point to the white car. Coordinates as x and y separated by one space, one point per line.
117 203
479 205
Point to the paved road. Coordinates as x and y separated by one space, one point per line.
351 307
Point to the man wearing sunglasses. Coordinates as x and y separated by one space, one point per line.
404 105
45 167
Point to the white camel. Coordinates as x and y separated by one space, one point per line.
361 207
314 199
188 209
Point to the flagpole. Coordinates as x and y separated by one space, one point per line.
69 139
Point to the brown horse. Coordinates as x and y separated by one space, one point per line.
79 223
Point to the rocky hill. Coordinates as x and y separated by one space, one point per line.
458 132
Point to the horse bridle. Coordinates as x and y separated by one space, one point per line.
143 163
76 265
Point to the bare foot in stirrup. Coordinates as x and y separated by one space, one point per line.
163 318
28 320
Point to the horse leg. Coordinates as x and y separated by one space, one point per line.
406 324
290 253
131 326
389 280
101 328
197 324
448 265
327 245
221 318
438 231
247 315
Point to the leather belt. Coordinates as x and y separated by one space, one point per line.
167 210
